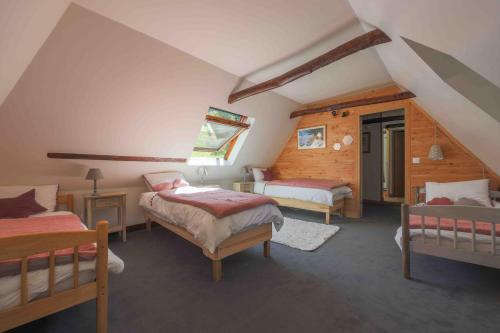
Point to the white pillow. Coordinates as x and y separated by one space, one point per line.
472 189
258 176
45 195
153 179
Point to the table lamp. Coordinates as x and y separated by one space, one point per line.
94 174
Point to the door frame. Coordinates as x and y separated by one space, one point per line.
380 108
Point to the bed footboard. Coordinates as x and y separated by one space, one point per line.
440 246
24 246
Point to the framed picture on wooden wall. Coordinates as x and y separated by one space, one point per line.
311 137
366 144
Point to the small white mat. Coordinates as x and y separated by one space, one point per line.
303 235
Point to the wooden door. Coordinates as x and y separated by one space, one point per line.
397 163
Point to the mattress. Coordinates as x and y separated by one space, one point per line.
325 197
38 280
206 228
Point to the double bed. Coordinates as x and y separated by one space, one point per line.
306 194
49 262
217 236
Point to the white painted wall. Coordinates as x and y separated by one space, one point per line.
99 87
24 26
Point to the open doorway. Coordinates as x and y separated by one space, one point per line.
383 157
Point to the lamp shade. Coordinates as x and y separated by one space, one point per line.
436 153
93 174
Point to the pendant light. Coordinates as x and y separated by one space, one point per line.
436 153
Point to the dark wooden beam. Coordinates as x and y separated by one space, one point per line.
359 43
72 156
354 103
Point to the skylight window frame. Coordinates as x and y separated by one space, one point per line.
241 125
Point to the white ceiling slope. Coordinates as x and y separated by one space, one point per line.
258 39
24 26
466 30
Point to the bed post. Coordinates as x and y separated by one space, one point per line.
102 276
405 244
327 217
148 222
216 270
267 248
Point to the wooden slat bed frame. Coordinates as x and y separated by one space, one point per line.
338 206
23 246
236 243
434 247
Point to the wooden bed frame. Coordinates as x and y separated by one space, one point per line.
338 205
434 247
23 246
236 243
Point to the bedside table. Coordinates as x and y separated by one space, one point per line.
243 187
107 200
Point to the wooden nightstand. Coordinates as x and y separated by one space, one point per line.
107 200
243 187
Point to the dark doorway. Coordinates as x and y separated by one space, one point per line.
383 157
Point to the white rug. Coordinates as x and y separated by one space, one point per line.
303 235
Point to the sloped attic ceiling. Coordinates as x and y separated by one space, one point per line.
24 26
258 39
466 30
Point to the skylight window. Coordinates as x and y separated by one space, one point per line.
219 134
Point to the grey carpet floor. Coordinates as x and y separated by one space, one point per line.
353 283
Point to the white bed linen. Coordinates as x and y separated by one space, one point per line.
10 286
316 195
206 228
483 242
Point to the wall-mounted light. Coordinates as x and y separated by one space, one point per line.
345 113
334 113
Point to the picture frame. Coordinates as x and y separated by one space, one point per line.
311 137
366 143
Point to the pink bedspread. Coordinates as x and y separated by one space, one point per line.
323 184
220 203
482 228
31 225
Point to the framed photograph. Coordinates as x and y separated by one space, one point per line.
366 144
311 137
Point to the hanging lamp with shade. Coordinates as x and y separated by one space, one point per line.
436 152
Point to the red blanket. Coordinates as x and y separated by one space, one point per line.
220 203
322 184
31 225
482 228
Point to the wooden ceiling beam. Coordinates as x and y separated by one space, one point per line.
72 156
359 43
354 103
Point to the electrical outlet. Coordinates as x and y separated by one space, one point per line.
416 160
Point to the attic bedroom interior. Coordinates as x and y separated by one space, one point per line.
249 166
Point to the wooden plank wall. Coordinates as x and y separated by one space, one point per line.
459 163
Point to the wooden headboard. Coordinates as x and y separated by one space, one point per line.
67 200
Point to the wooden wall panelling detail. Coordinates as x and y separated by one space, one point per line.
459 163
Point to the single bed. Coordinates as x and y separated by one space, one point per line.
328 201
463 233
48 278
217 237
